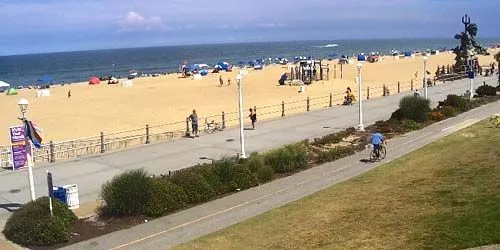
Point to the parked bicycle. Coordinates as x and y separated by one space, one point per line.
212 126
378 155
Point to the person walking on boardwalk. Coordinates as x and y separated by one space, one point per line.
253 117
194 123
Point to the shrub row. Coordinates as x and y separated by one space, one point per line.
334 154
136 193
333 138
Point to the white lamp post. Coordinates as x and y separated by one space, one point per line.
425 77
471 77
239 79
23 106
361 127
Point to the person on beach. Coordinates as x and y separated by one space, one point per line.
194 123
221 82
416 94
229 82
69 93
253 117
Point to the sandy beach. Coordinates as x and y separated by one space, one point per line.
168 99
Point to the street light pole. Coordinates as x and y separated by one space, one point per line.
239 78
23 105
471 77
425 77
361 127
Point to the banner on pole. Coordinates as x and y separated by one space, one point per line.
19 152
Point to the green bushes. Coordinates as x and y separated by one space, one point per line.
287 158
32 225
333 138
414 108
265 173
164 197
449 111
196 187
125 193
334 154
459 103
486 90
410 125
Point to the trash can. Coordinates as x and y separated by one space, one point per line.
59 193
72 196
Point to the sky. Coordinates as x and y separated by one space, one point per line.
37 26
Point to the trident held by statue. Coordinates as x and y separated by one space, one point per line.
466 20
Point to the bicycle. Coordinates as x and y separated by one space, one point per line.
212 127
495 121
381 154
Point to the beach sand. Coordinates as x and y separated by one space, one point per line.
168 99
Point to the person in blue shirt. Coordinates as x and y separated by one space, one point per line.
377 140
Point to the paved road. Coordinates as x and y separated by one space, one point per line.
90 173
187 225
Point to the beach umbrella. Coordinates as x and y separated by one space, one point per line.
94 80
4 84
46 79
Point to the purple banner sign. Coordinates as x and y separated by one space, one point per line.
19 157
17 134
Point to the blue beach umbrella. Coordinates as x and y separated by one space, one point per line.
46 79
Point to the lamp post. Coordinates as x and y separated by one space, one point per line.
23 106
425 77
361 127
471 76
239 79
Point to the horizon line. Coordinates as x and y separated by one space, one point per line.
225 43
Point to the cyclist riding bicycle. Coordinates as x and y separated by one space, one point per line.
377 140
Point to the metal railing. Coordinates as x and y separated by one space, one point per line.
115 141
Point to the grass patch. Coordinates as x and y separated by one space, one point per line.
443 196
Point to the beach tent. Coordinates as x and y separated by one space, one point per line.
222 66
4 84
408 53
361 58
94 80
204 72
46 79
11 91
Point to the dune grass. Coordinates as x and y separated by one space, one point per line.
443 196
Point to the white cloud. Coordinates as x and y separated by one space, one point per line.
134 21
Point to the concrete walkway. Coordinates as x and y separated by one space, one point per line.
210 217
90 173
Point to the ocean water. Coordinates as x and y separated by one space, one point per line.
69 67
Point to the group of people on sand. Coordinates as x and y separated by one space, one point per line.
193 118
221 82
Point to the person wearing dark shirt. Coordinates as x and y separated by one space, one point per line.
194 123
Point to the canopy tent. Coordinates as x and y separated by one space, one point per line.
46 79
94 80
4 84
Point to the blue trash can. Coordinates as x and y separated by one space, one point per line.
60 194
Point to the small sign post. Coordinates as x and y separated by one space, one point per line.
51 190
